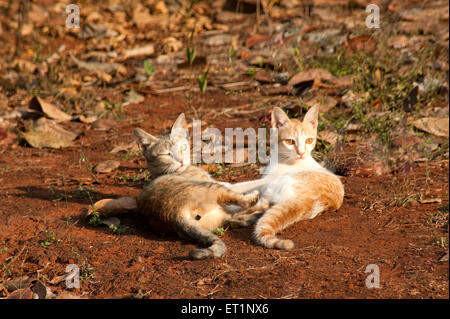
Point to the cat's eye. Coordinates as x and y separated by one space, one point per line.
309 140
289 142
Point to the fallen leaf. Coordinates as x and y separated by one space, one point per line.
326 103
219 40
145 50
88 119
106 166
17 283
263 77
103 124
328 136
430 201
103 67
57 279
42 139
343 81
406 141
433 125
47 134
49 110
255 39
24 65
95 31
133 98
67 295
444 258
361 43
133 146
309 75
398 42
25 293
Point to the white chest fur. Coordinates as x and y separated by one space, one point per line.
282 177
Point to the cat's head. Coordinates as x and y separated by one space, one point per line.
296 139
168 153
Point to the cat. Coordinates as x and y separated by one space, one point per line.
182 197
296 187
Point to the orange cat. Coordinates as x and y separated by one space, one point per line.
296 187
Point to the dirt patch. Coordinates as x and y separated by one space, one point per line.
49 190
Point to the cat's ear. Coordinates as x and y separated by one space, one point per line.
144 139
179 128
180 122
279 118
312 116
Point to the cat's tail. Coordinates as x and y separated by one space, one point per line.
111 207
274 220
215 247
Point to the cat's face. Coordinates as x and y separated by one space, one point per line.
166 154
296 139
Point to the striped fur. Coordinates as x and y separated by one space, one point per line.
184 198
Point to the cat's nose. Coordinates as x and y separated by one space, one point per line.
300 154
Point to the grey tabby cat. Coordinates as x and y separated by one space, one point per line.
182 197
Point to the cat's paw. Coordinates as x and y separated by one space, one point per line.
107 207
252 197
262 204
201 253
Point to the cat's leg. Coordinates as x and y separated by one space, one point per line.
111 207
226 196
191 229
280 216
248 216
243 220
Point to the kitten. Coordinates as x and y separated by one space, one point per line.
182 197
297 188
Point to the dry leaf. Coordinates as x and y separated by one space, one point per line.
106 166
68 295
49 109
25 293
145 50
88 119
310 75
17 283
255 39
133 146
103 67
433 125
430 201
326 103
48 134
328 136
219 40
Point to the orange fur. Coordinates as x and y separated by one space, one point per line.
298 188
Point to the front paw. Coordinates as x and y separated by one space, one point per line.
253 196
